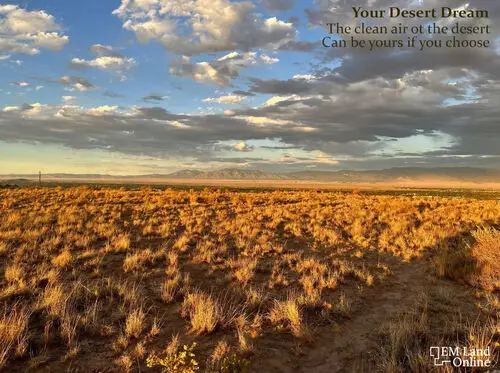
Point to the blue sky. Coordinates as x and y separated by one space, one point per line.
153 86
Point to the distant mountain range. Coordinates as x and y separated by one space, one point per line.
345 176
409 174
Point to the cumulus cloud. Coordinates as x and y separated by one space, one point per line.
107 59
219 71
27 32
206 26
105 63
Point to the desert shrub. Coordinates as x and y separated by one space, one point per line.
473 263
177 361
233 364
486 253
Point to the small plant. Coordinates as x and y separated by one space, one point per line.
171 288
233 364
178 361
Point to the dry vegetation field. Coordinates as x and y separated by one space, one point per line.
108 279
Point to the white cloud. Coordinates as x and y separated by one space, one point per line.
27 31
242 147
269 60
20 84
308 77
178 124
50 40
107 59
68 98
103 110
11 108
277 99
106 63
229 99
267 121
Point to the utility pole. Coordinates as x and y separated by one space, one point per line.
40 178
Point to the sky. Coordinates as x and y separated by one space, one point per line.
155 86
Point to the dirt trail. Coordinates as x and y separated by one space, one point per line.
347 349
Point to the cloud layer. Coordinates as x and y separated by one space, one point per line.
275 100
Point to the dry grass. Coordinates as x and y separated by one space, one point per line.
243 275
288 314
13 333
486 252
474 261
203 312
134 325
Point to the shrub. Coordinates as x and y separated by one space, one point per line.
178 361
486 252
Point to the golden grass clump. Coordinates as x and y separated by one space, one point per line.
63 259
203 312
13 333
134 324
486 252
171 288
138 260
14 275
288 314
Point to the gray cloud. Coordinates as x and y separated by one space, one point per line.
154 98
279 5
112 94
234 26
